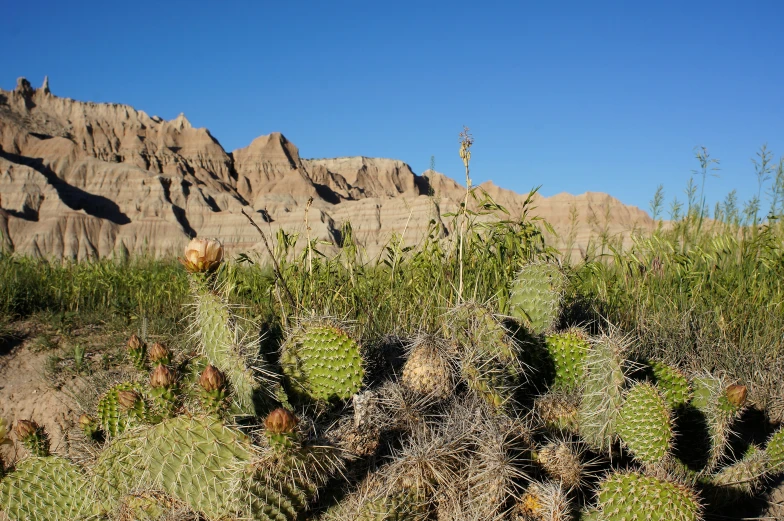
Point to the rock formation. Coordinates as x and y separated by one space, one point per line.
86 180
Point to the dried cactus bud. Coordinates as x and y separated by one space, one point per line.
25 428
736 394
33 437
88 425
202 255
162 376
128 399
4 439
159 354
280 421
212 379
137 350
135 343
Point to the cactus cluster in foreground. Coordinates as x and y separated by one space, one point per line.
486 418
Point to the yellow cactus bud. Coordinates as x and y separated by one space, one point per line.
128 399
25 428
202 255
736 394
135 343
158 354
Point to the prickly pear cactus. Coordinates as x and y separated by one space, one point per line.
474 327
603 392
645 424
186 458
322 362
562 461
558 411
545 502
535 296
742 478
114 416
567 351
221 341
630 496
47 488
775 452
672 383
718 405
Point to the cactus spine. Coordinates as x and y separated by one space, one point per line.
629 496
568 351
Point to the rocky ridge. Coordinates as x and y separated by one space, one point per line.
81 180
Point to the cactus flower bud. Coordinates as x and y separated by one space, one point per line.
202 255
25 428
128 399
212 379
158 354
88 425
162 376
280 421
135 343
4 439
736 395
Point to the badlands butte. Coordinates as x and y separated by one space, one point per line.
82 180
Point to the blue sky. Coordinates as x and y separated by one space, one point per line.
575 96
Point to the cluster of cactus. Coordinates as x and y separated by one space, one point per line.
486 418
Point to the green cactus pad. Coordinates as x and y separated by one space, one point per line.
322 362
221 342
113 418
633 496
488 382
603 392
645 425
568 351
672 383
535 296
186 458
47 488
775 452
744 477
717 412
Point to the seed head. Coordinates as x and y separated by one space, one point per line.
128 399
280 421
25 428
202 255
212 379
162 376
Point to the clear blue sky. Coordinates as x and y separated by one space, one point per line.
575 96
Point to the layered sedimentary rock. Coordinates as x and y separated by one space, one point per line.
85 180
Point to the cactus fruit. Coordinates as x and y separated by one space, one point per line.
428 370
33 437
159 354
322 362
672 383
775 452
645 424
212 389
221 341
186 458
137 351
163 390
545 502
562 461
629 496
48 488
535 296
568 350
121 407
603 391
